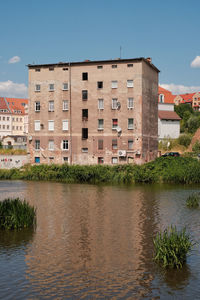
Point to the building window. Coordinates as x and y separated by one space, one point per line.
65 69
84 114
114 84
65 125
17 119
84 150
100 144
37 125
7 126
65 86
100 104
37 144
37 87
99 84
65 145
65 159
20 127
130 103
130 144
4 118
130 123
114 160
65 104
51 145
8 118
100 160
20 119
16 127
114 123
3 126
51 87
99 67
114 144
51 125
129 83
51 68
114 103
12 127
114 66
84 76
100 124
84 95
129 65
37 160
51 105
84 133
162 98
37 70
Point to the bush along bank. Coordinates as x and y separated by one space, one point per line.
184 170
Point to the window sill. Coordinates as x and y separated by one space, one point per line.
51 90
50 110
37 91
100 129
65 89
37 111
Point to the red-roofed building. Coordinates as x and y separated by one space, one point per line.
13 116
165 96
190 98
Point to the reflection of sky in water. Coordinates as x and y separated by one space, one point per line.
95 242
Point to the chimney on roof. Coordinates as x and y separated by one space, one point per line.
149 59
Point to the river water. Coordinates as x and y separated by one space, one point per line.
95 242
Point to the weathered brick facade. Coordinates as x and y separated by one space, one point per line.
120 114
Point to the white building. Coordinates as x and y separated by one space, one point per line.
168 122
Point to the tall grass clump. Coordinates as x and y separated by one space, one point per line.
193 200
171 247
16 214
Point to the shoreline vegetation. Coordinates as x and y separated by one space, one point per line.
183 170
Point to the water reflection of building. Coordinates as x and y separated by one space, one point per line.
90 240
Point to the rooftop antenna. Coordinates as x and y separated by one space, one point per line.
120 52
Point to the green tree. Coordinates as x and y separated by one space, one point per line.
193 124
182 108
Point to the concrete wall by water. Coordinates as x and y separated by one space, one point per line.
13 161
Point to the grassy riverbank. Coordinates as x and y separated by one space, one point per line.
162 170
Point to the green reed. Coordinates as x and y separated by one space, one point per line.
171 247
16 214
193 200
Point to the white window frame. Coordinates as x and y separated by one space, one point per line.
37 105
114 103
37 88
37 145
130 83
51 145
100 124
51 87
114 127
114 84
130 125
65 86
51 105
51 125
37 125
65 104
65 145
130 103
114 160
130 144
65 125
100 104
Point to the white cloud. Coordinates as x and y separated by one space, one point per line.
12 89
180 89
196 62
14 60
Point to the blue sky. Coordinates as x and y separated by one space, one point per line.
64 30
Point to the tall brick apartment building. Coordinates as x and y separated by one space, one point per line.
93 112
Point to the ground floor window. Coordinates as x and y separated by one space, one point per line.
114 160
100 160
65 159
37 160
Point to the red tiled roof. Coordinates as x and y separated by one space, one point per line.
16 104
187 97
169 98
3 105
168 115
